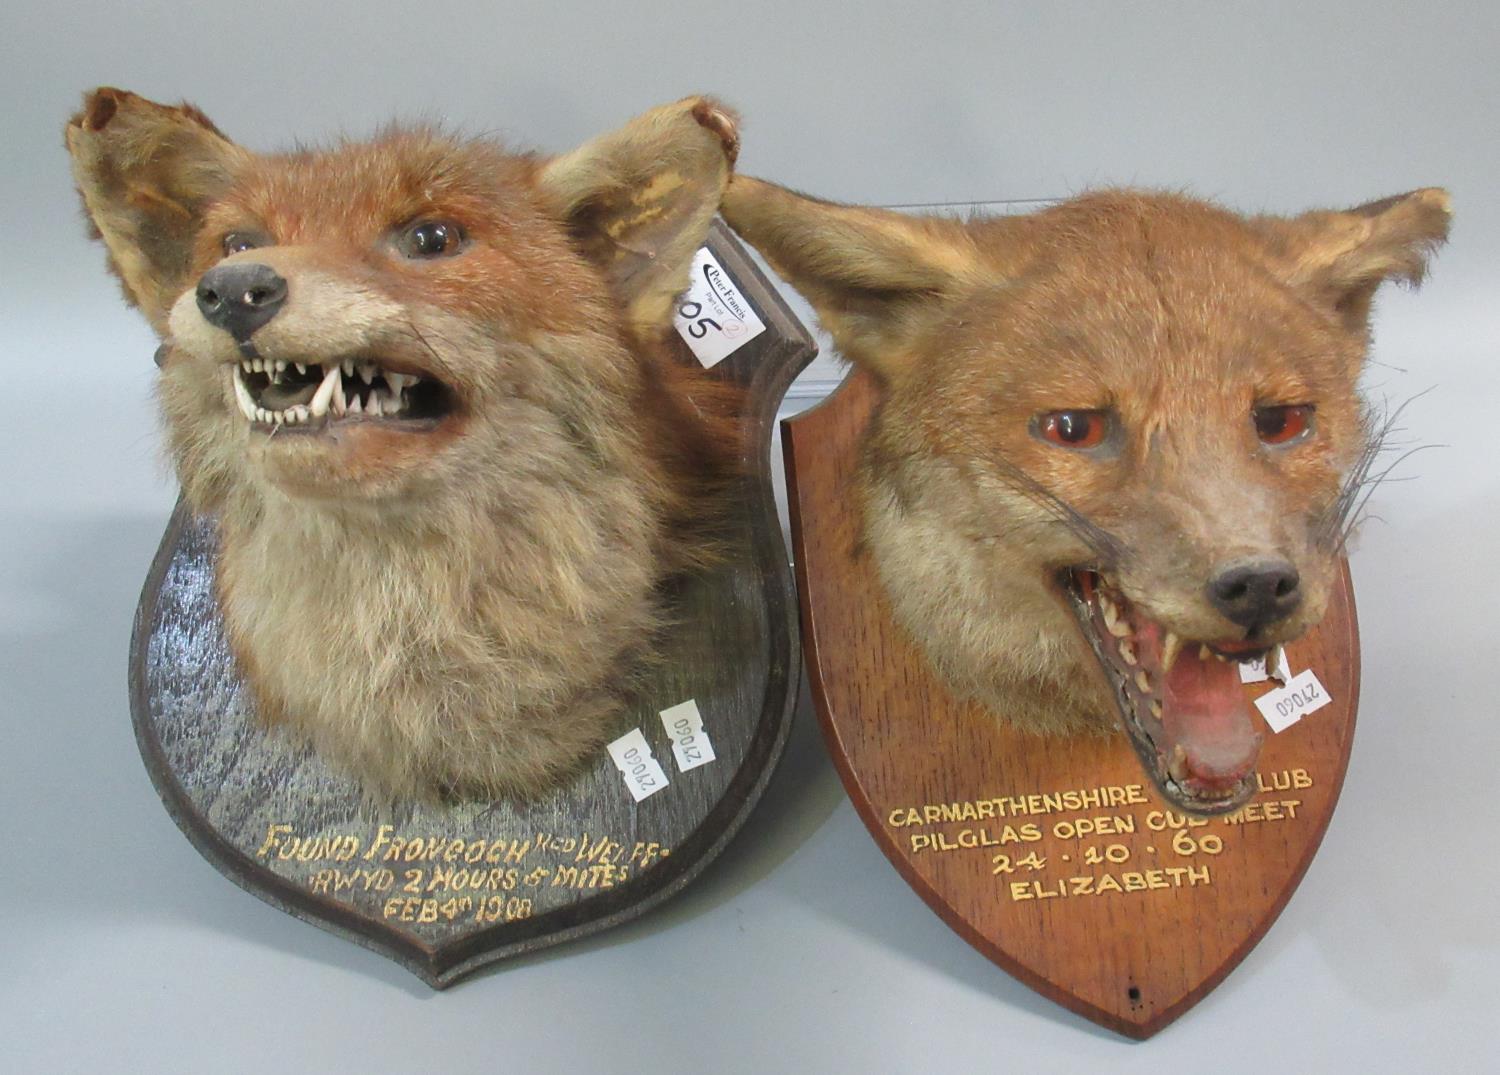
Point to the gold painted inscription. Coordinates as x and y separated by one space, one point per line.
431 877
1066 850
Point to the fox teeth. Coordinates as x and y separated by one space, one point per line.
367 372
319 404
1204 653
1143 681
301 367
1170 648
242 396
355 406
1111 615
1274 661
1156 709
348 367
1127 651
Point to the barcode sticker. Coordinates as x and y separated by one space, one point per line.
1285 706
690 743
712 316
632 756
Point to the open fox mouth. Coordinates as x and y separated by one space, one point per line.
290 395
1181 701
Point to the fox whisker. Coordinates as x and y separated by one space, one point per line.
1349 509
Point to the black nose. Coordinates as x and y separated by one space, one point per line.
1255 592
240 298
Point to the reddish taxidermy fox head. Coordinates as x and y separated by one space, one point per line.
420 383
1118 445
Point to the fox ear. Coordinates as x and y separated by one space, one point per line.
1340 258
146 171
875 277
639 200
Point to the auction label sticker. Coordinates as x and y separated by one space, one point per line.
632 756
690 743
1303 694
712 317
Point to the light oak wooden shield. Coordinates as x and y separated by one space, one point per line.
1056 858
448 889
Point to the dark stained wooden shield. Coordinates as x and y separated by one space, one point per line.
1055 858
446 890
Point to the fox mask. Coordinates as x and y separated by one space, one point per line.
1118 446
421 384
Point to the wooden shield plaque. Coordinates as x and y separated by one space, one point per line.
1056 858
445 890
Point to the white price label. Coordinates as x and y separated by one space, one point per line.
632 756
1255 671
690 743
1285 706
712 316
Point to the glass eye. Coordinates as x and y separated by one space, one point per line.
432 239
1074 429
237 241
1281 425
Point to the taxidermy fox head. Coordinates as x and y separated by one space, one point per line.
421 383
1118 447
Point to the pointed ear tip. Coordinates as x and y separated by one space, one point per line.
1436 198
99 107
719 119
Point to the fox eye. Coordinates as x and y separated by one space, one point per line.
431 239
238 241
1073 429
1284 424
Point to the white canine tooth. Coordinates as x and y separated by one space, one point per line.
1274 660
242 395
1127 651
319 403
338 405
367 372
1143 681
1170 648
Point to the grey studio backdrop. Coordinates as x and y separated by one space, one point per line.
800 949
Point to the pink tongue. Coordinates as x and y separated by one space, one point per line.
1204 711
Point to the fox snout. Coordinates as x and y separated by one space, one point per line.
1256 592
240 298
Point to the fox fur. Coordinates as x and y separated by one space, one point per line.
452 609
1176 318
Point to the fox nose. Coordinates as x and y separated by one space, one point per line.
240 298
1255 592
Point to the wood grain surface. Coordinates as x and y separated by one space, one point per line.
446 890
1103 898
